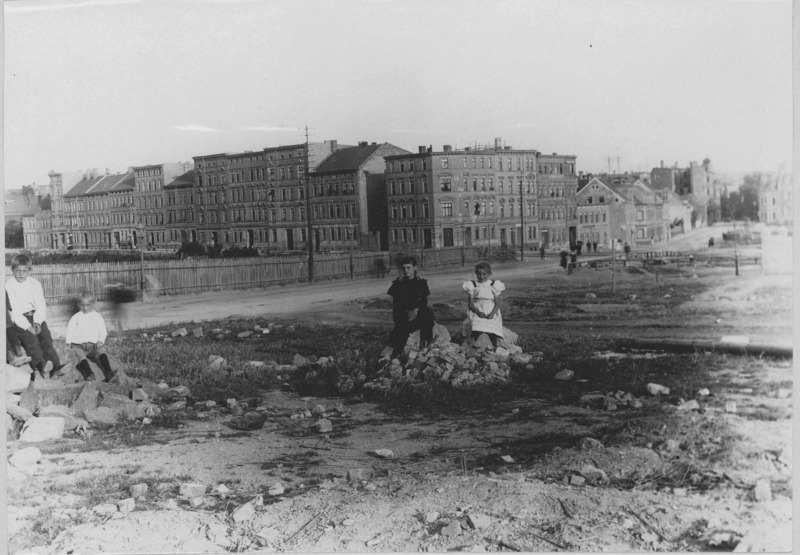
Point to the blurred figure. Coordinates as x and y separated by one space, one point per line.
152 288
119 295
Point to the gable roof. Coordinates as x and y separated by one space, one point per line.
347 158
183 180
102 184
598 181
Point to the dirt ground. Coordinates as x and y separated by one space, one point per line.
503 481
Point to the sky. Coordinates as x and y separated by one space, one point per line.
120 83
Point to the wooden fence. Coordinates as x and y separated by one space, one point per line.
63 282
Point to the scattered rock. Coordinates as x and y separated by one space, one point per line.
104 509
507 459
689 405
565 374
452 529
762 491
355 474
139 490
479 521
180 333
126 505
139 394
192 489
25 458
268 534
299 360
704 392
656 389
679 492
588 443
252 420
244 334
41 429
591 296
197 332
18 413
385 453
576 480
730 407
593 474
783 393
70 420
276 489
431 517
318 410
16 379
244 513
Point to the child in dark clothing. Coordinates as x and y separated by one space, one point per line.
410 310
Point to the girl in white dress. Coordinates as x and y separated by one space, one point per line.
483 301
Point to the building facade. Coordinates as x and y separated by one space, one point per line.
775 200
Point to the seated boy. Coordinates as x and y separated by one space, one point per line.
410 310
29 312
86 334
15 354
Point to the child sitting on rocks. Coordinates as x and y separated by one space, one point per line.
86 334
483 303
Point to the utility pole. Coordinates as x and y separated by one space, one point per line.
309 232
521 220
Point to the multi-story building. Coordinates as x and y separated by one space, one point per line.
481 195
603 214
343 187
149 197
775 200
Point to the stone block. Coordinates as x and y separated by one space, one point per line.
139 490
70 420
42 429
762 491
479 521
244 513
656 389
139 394
126 505
18 413
25 458
191 490
276 489
324 425
182 332
565 374
593 474
16 379
197 332
101 416
244 334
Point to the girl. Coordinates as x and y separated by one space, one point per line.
483 301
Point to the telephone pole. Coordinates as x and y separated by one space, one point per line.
309 232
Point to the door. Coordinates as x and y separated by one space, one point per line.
502 236
573 235
289 240
467 236
250 238
447 236
546 238
427 238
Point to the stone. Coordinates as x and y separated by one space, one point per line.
656 389
355 474
689 405
783 393
268 534
197 332
762 492
431 517
19 413
479 521
104 509
25 458
70 420
169 504
593 474
276 489
192 489
704 392
126 505
370 487
217 363
452 529
87 399
139 394
324 425
41 429
730 407
591 296
576 480
252 420
299 360
318 410
16 379
588 443
507 459
483 342
139 490
217 533
178 391
565 374
180 333
196 502
609 403
256 363
177 405
679 492
244 512
101 416
222 489
385 453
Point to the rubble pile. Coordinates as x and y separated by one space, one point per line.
469 363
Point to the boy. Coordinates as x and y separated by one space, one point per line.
86 334
28 313
410 310
15 355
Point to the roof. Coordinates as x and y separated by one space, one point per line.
348 158
102 184
183 180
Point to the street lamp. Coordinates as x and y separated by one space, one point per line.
140 229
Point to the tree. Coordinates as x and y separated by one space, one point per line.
28 193
45 203
15 239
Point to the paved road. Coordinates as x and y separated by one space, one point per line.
323 296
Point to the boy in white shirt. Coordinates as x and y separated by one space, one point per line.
86 335
28 312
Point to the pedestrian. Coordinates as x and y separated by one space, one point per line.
483 303
710 242
410 311
541 251
29 315
86 336
564 259
119 295
627 249
579 246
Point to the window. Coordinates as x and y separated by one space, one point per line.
447 208
424 184
444 163
639 215
425 209
446 183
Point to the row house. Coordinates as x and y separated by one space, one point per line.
343 188
775 199
149 201
481 195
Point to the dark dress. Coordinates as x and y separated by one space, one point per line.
408 294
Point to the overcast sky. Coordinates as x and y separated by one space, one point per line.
118 83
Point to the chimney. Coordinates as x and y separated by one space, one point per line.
421 149
362 143
94 172
662 164
334 145
498 143
108 171
447 148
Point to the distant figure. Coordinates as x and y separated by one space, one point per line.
564 259
152 288
595 246
119 295
410 310
710 242
541 251
579 246
627 249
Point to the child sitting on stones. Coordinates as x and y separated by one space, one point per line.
86 334
483 303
